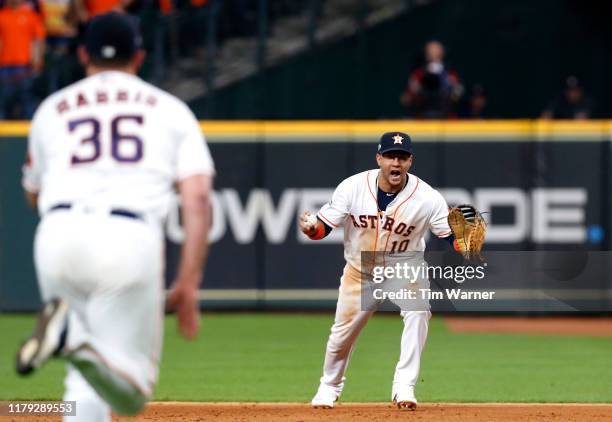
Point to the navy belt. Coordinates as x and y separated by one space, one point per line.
114 211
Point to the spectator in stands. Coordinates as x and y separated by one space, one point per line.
194 23
87 9
35 5
61 33
22 47
243 19
475 105
165 6
82 11
572 103
60 30
433 90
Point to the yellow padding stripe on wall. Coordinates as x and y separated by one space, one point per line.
437 128
8 129
267 129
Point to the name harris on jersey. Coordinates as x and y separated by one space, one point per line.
79 99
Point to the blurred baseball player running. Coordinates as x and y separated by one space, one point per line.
383 210
104 155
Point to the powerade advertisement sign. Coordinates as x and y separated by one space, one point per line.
541 215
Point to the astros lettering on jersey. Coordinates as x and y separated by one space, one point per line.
400 228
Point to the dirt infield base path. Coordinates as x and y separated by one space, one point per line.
357 412
564 326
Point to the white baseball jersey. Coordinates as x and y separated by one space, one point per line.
400 228
113 141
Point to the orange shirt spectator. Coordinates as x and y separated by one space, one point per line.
85 10
56 23
20 27
165 6
99 7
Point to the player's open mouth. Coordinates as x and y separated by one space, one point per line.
395 176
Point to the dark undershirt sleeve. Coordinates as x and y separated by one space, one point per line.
328 229
450 239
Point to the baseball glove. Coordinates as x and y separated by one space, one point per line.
469 229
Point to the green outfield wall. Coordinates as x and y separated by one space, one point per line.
545 185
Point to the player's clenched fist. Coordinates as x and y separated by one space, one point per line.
308 223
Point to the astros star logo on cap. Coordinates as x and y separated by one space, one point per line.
398 139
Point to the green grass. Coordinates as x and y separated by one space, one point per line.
277 357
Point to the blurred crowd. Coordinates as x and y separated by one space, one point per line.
36 35
40 36
571 103
436 91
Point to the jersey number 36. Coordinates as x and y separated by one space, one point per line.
125 148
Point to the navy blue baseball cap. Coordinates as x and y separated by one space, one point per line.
112 36
395 141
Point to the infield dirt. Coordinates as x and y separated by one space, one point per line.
564 326
360 412
379 412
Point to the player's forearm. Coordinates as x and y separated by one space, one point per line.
195 247
196 214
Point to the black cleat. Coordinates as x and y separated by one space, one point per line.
47 339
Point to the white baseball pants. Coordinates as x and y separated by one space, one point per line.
350 320
109 270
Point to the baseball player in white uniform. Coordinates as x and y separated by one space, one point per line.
104 157
382 210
